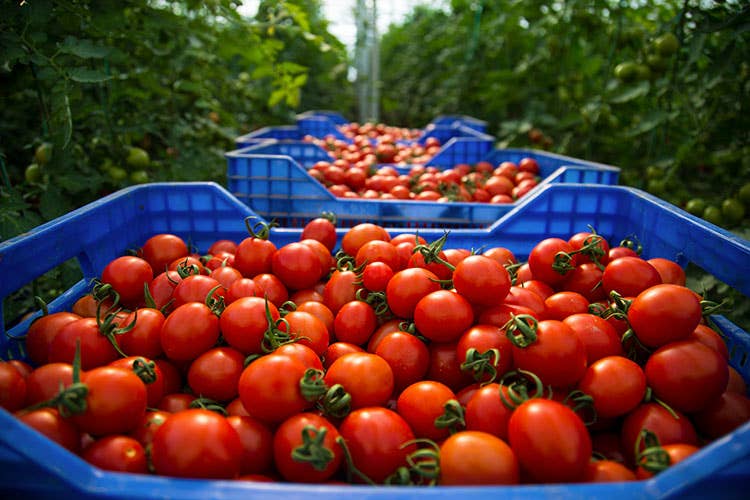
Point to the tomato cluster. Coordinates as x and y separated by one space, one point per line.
394 360
482 183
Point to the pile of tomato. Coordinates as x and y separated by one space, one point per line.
391 361
481 183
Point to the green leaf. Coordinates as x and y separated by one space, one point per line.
299 80
650 122
276 97
61 121
86 75
83 48
631 93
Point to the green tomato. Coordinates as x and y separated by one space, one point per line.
626 71
732 210
643 72
139 177
137 158
712 214
656 62
695 206
117 174
43 153
656 186
744 193
654 172
666 45
33 173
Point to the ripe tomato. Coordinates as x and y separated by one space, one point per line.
664 313
723 415
365 376
127 275
557 357
244 323
483 338
340 289
599 247
629 276
477 458
551 442
481 280
196 288
377 440
161 249
320 311
407 287
422 404
215 373
376 275
161 288
273 288
189 331
320 229
243 287
226 275
661 422
442 316
149 372
360 234
12 387
197 443
144 431
257 444
408 357
542 259
378 251
253 256
269 388
50 423
598 336
607 471
117 453
44 383
708 336
617 385
687 375
444 366
144 338
669 270
560 305
96 350
585 279
41 333
115 403
355 322
486 412
298 449
301 352
307 329
677 452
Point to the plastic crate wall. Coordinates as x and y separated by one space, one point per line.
33 467
272 179
469 121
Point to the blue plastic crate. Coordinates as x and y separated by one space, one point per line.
33 467
272 179
469 121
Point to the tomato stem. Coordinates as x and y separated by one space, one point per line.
521 330
652 457
208 404
145 369
517 384
312 450
260 229
480 365
431 252
351 469
452 417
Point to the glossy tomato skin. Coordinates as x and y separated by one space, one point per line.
253 256
484 339
607 471
551 442
197 443
144 338
542 257
408 357
44 383
12 387
367 378
661 422
96 350
477 458
269 388
629 276
297 266
161 249
289 436
49 422
152 377
617 385
307 329
377 440
243 323
215 373
41 333
355 322
407 287
598 336
320 229
115 403
669 270
257 444
443 315
486 412
117 453
557 357
127 275
723 415
481 280
189 331
664 313
687 375
421 403
144 431
341 288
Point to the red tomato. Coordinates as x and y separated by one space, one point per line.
320 229
149 372
189 331
481 280
117 453
551 442
598 247
661 422
41 333
257 444
197 443
607 471
273 288
161 289
218 246
477 458
585 279
269 388
302 352
378 251
244 323
483 339
50 423
723 415
669 270
408 357
664 313
365 376
161 249
407 287
297 446
115 403
340 289
253 256
45 382
444 366
375 276
144 431
360 234
196 288
215 373
442 316
560 305
96 350
307 329
557 356
338 349
677 452
598 336
629 276
127 275
226 275
542 259
379 440
355 322
422 404
617 385
320 311
708 336
486 412
243 287
12 387
687 375
144 338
